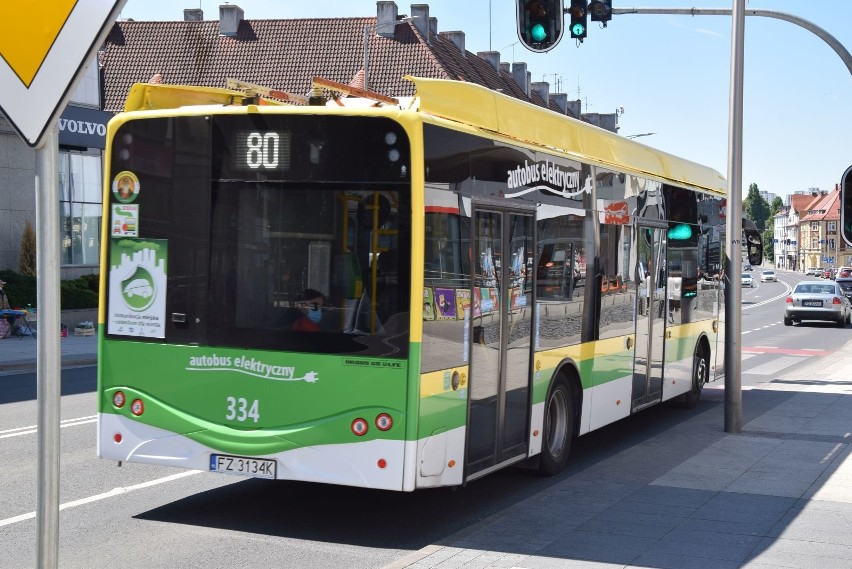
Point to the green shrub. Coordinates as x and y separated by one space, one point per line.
20 289
74 293
77 294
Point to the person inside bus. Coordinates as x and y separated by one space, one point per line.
311 319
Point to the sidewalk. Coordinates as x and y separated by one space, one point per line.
19 353
692 496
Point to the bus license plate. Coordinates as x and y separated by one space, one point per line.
816 303
243 466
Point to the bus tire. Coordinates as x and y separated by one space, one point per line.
558 431
700 372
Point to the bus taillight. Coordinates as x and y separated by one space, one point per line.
137 407
384 422
118 399
359 427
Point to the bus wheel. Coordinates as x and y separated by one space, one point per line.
558 430
700 370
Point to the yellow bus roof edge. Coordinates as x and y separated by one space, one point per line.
489 110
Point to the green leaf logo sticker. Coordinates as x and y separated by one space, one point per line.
139 290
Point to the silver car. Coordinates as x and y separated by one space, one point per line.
818 300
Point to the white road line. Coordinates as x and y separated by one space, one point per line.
104 496
32 429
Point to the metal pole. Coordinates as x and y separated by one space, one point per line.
838 47
734 228
366 55
48 354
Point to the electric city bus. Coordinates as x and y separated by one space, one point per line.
394 295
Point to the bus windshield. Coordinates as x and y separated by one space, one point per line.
261 232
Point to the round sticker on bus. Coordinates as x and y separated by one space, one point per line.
125 186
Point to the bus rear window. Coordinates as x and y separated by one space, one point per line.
269 233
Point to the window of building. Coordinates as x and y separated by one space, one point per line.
80 206
814 226
832 226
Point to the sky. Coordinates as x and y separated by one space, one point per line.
669 73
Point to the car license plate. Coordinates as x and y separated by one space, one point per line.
243 466
816 303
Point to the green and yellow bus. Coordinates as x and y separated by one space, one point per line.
395 295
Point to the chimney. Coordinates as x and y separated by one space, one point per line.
193 15
519 74
492 57
457 38
230 16
575 108
433 26
542 89
386 14
420 19
561 100
505 67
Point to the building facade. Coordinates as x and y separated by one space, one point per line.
821 244
82 134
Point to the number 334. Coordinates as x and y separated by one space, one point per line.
240 410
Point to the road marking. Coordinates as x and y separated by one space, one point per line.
32 429
775 365
104 496
787 351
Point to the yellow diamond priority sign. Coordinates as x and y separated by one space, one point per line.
43 47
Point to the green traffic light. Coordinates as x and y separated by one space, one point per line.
680 232
578 29
538 33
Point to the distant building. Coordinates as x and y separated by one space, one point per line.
821 244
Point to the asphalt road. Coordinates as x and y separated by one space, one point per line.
145 516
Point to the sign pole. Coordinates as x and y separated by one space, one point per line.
734 228
48 351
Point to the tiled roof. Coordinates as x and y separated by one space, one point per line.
286 55
800 203
825 208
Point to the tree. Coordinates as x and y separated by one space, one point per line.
769 234
27 258
755 207
777 205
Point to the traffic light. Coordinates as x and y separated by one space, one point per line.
846 206
540 23
600 11
579 16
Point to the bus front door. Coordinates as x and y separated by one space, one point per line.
501 314
650 317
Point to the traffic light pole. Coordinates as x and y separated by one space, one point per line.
833 42
733 292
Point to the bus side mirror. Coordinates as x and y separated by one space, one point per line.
753 242
846 206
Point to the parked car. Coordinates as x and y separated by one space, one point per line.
768 276
845 284
746 280
818 300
